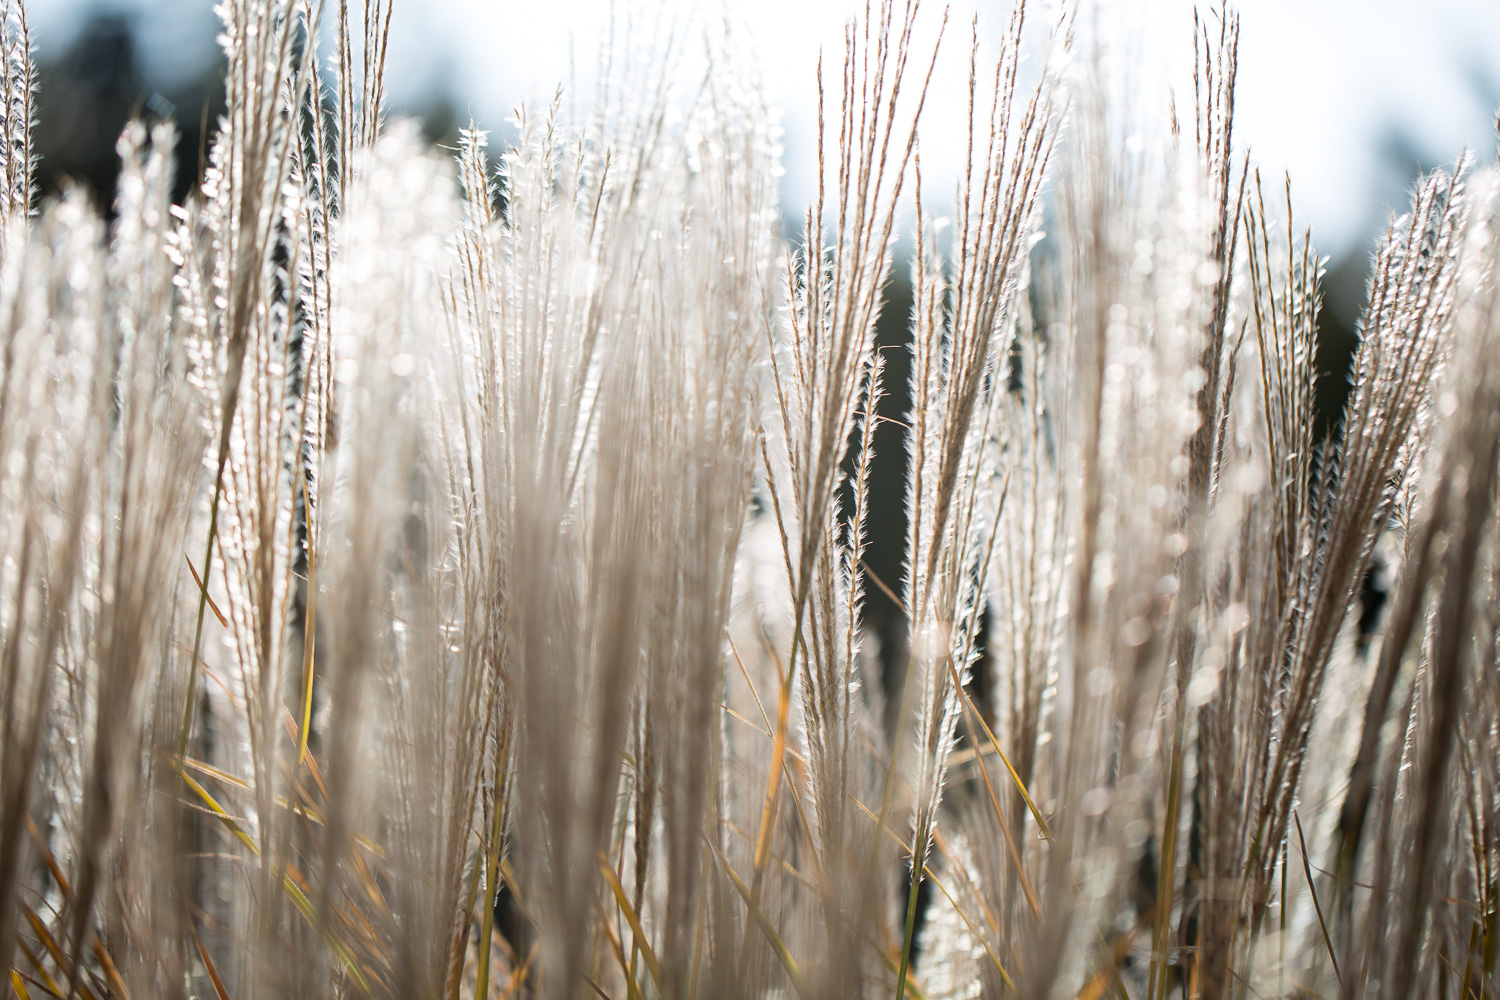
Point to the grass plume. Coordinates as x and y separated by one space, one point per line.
445 573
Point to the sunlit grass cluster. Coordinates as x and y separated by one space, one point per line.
443 573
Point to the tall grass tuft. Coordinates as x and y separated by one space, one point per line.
443 573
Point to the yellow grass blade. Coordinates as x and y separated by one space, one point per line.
633 918
213 973
777 945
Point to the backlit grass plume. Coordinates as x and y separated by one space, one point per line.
448 574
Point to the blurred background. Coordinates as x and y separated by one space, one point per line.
1351 97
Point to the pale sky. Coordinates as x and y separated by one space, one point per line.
1323 83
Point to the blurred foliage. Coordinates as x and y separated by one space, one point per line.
90 90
